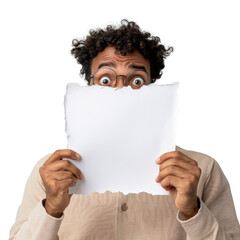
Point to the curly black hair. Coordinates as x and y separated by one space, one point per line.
126 38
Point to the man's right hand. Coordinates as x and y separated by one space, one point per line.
58 175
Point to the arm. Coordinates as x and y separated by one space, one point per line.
216 218
31 215
39 225
45 198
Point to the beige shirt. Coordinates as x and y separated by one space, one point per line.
141 216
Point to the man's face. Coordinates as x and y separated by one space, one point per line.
133 64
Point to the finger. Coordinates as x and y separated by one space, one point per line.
64 153
72 182
173 171
63 185
177 162
171 181
55 187
66 165
175 154
61 175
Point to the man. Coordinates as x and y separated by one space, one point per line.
199 205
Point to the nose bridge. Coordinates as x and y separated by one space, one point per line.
120 81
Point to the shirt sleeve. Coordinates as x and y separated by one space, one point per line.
216 219
32 221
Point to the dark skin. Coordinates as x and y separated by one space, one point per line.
58 175
178 173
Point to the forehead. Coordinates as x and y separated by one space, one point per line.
109 55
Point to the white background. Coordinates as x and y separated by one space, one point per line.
36 65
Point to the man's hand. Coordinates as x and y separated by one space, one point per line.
179 175
58 175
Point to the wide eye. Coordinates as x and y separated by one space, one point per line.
138 81
105 80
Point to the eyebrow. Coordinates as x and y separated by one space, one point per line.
106 64
132 66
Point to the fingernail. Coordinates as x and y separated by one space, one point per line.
77 155
81 176
157 160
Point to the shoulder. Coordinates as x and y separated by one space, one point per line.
201 158
35 175
42 160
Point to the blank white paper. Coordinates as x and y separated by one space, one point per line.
119 133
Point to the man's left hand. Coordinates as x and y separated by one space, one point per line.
179 175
